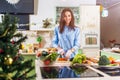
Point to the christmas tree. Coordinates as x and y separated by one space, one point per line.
12 63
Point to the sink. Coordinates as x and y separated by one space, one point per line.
75 71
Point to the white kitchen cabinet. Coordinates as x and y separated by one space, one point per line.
90 29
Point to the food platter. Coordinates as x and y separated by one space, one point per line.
107 67
116 50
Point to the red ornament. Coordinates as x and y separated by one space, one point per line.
1 51
13 42
15 58
18 79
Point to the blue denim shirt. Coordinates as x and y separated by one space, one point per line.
67 40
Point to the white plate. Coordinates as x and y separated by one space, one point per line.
109 67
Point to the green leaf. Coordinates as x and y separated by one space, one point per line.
39 39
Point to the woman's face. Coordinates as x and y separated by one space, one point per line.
67 17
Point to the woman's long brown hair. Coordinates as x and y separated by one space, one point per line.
62 21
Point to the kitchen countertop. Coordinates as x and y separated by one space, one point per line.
110 53
39 64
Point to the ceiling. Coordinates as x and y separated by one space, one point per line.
108 3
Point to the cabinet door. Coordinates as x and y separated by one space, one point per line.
90 26
90 30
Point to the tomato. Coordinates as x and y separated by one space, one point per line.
62 59
38 54
112 62
47 62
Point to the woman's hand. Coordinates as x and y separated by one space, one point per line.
68 54
60 51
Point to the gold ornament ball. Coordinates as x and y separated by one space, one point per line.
101 8
22 46
8 61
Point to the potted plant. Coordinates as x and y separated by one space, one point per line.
39 40
112 42
47 22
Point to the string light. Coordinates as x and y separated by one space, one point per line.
12 1
104 12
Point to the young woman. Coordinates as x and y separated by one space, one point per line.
67 35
